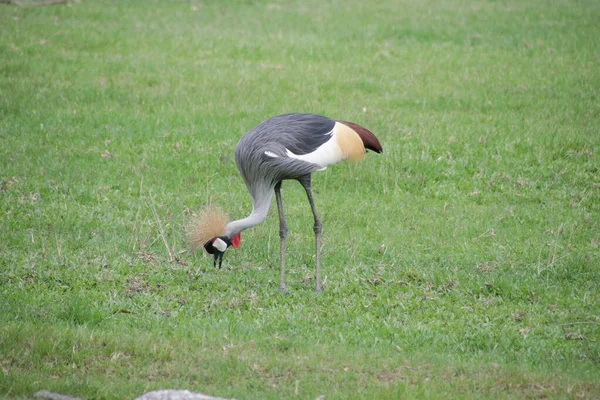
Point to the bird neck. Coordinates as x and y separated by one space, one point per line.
260 208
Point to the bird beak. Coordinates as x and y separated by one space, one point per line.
217 248
218 259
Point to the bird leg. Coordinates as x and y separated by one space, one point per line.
317 228
282 235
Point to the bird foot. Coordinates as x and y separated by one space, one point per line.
282 289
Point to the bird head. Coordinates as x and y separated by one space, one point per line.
217 246
207 228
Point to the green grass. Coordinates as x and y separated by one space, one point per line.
463 262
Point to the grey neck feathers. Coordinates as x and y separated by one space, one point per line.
260 208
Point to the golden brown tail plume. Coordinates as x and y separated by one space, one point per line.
370 141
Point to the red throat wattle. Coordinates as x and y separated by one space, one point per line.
235 240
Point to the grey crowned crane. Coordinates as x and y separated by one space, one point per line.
288 146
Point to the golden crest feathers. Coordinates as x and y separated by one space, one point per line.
207 224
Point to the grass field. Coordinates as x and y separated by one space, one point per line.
463 262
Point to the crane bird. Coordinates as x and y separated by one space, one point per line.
288 146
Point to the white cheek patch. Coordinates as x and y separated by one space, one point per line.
220 245
271 154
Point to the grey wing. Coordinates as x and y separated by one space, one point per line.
298 133
303 133
262 153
